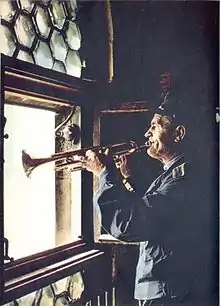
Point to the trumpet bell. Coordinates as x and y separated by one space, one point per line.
27 163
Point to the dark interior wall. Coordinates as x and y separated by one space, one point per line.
165 36
151 37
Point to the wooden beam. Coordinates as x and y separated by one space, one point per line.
128 107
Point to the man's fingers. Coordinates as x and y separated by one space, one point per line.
78 158
119 160
118 165
90 154
123 159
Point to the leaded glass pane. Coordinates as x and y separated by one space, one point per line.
42 55
73 36
7 45
58 46
42 21
57 14
73 63
24 30
25 56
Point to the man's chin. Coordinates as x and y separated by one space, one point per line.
151 153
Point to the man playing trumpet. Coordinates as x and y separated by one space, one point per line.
171 219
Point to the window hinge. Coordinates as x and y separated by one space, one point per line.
6 247
4 122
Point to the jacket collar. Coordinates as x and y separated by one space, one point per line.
172 162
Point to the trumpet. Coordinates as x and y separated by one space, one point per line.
66 159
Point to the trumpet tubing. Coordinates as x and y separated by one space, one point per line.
66 159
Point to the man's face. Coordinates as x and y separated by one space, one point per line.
160 138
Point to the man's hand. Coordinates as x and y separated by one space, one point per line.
123 164
93 162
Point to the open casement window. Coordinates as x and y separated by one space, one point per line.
47 228
119 117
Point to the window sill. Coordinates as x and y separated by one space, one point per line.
43 259
33 281
108 239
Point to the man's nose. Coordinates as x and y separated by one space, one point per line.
147 133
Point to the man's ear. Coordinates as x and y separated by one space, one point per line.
180 132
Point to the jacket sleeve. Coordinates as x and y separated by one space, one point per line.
130 217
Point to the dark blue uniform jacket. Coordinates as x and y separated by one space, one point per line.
172 222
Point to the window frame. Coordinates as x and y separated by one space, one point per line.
141 106
49 90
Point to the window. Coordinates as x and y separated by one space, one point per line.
45 247
30 201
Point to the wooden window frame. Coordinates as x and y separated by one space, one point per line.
124 107
51 90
